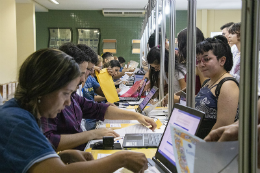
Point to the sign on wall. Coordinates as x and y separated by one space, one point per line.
58 36
90 37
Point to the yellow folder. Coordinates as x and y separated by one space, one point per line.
149 153
107 85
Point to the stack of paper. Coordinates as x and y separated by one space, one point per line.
137 128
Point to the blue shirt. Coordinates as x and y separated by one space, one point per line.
89 88
22 143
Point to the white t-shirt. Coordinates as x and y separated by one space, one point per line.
235 71
258 93
177 77
234 50
79 91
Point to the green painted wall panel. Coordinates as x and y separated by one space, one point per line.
119 28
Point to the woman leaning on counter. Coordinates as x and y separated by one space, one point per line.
46 80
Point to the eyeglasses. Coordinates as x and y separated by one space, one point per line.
90 69
203 59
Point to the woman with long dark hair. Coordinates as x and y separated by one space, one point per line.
153 59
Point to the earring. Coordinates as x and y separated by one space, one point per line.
39 100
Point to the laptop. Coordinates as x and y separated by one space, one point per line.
184 117
146 100
139 94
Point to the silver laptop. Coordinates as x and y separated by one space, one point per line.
182 116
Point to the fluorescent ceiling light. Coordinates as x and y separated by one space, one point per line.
54 1
160 19
167 9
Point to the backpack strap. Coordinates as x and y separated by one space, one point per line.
204 83
217 91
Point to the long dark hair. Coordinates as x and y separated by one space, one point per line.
43 72
182 43
153 57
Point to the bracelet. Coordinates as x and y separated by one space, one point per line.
58 153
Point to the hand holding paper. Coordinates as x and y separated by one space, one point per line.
107 85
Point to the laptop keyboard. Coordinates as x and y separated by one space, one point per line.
152 139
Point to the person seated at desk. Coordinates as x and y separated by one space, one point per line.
46 79
122 68
107 56
65 131
91 86
114 65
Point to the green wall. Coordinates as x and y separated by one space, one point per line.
120 28
181 22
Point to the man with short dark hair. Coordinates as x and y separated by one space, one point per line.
91 86
225 33
224 30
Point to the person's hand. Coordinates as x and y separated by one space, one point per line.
96 68
153 102
141 84
134 161
72 156
128 64
100 133
258 154
176 98
110 71
226 133
110 104
118 90
147 121
131 70
117 82
165 100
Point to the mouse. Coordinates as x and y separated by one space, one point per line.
98 145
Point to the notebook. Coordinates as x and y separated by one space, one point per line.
139 94
182 116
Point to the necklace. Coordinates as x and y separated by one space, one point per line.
216 81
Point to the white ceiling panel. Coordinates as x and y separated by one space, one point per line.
128 4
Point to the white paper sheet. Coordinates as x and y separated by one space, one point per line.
137 128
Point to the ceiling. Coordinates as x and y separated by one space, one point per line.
45 5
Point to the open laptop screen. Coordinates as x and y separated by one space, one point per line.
183 119
148 98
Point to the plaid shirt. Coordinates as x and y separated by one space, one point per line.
69 120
